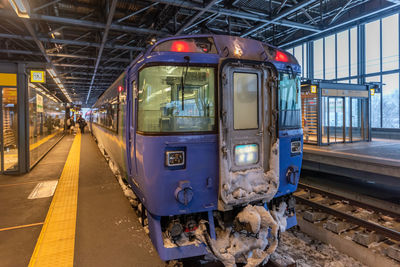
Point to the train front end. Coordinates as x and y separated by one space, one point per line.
214 151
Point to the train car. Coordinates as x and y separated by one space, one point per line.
206 129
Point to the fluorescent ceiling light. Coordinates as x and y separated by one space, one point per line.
21 7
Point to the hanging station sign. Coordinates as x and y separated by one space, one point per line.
38 76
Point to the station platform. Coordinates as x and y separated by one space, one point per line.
376 162
86 222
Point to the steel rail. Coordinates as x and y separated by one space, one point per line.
351 201
387 232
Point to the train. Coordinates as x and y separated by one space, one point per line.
206 130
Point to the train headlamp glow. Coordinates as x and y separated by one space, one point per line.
295 147
246 154
174 158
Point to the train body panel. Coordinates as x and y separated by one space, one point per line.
199 175
290 163
177 144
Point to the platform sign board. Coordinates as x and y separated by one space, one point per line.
8 79
313 89
38 76
39 103
372 91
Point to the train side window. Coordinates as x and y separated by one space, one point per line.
245 101
134 95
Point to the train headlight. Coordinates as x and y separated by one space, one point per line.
174 158
246 154
295 147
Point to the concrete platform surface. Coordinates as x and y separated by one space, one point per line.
21 218
107 232
381 157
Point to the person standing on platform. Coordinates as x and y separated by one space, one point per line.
70 125
82 123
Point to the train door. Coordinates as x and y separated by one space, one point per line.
130 125
246 133
336 120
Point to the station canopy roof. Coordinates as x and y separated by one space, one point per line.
88 43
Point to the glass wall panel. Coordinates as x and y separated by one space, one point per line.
304 69
10 128
332 120
382 54
390 98
353 52
390 43
343 54
347 119
372 47
375 104
330 56
339 127
46 122
298 53
324 118
356 119
319 59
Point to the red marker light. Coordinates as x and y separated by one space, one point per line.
120 89
180 46
280 56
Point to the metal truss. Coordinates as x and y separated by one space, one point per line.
90 42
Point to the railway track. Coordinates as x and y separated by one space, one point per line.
371 225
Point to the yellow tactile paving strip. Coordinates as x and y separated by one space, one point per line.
55 245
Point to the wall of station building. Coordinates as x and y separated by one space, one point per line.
368 52
31 118
46 122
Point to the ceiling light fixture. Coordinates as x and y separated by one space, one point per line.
21 7
53 75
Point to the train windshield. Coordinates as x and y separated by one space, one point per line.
289 101
176 99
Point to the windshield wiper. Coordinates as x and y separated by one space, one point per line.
183 80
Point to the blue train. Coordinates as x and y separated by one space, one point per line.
206 129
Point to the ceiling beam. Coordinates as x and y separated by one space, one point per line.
136 12
279 16
28 52
232 13
103 42
20 52
87 67
70 42
195 17
365 14
340 11
43 51
86 23
46 5
87 74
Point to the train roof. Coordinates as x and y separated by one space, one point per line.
209 49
